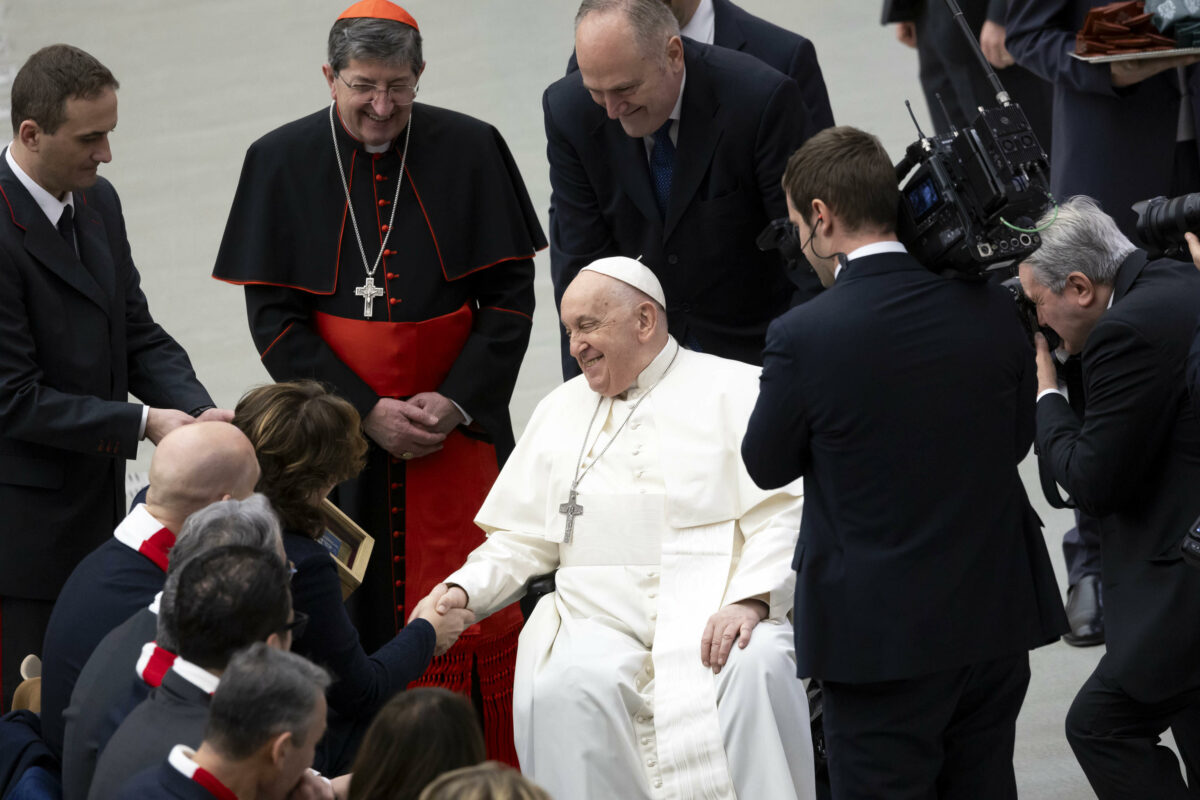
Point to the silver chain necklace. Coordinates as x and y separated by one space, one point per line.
368 291
571 508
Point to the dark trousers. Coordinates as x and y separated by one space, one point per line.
1081 548
1116 740
947 735
22 627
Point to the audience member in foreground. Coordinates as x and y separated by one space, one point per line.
133 657
487 781
630 685
309 440
266 719
227 599
417 736
192 467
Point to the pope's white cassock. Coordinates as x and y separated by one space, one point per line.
611 699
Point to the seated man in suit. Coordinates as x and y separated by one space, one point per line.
672 150
77 339
192 467
266 719
228 598
132 659
1134 461
904 399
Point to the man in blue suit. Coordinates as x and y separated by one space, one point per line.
76 338
672 150
904 399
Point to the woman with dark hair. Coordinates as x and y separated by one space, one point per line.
308 440
415 738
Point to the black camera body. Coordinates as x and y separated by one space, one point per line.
972 201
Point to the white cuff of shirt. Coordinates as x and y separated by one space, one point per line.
466 417
1045 392
142 427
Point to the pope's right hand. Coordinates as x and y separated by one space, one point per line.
402 428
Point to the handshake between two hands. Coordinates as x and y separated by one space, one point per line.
445 608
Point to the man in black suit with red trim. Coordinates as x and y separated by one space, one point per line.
76 337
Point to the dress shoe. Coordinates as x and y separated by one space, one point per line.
1085 613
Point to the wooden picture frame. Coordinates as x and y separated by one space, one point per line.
349 545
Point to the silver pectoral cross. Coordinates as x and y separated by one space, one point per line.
572 510
368 292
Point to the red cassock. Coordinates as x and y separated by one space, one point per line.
454 317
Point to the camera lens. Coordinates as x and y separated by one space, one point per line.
1162 223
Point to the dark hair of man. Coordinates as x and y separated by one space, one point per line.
416 736
49 78
227 599
369 39
851 172
251 522
306 438
263 692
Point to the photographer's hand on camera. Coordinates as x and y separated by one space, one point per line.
1047 369
1193 243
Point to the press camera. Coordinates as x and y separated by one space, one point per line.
1161 224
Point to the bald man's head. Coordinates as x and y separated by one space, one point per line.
198 464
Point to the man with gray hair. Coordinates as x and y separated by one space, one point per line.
1133 460
663 664
263 727
132 658
671 149
396 266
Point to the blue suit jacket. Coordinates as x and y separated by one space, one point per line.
106 589
162 782
740 121
76 337
905 400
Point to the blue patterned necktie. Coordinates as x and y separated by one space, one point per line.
662 165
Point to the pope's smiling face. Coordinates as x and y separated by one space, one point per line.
373 117
607 334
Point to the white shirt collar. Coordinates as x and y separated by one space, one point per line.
199 677
182 758
872 249
50 205
137 528
673 131
155 603
654 371
702 25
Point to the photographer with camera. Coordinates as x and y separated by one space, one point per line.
1132 460
904 399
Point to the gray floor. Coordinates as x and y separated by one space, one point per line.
201 80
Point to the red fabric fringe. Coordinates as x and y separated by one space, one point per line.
495 659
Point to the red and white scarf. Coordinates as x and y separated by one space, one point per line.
143 533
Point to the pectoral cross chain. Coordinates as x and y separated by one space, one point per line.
572 510
368 292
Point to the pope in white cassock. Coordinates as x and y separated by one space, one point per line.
662 666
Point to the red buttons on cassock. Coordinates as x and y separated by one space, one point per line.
394 300
400 608
395 509
383 227
391 277
395 486
380 178
389 252
395 534
399 584
396 559
384 202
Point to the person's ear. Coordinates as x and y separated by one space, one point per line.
280 748
1083 287
330 78
29 133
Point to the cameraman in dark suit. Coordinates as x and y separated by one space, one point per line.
903 398
1133 460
